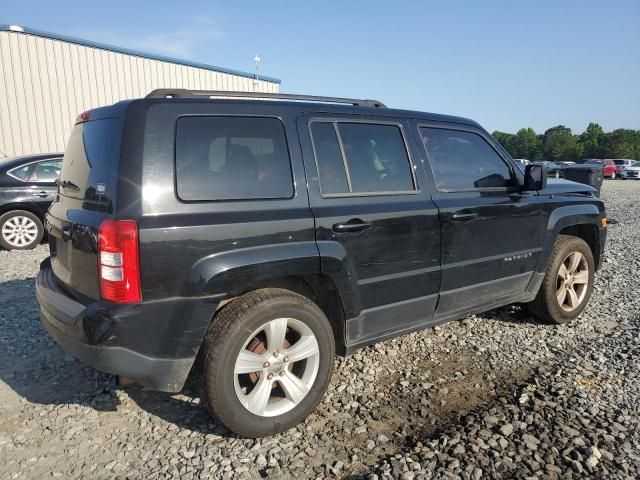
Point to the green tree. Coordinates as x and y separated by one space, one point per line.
560 144
593 142
526 144
507 140
623 143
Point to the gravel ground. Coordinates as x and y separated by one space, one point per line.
495 395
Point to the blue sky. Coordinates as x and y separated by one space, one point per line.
506 64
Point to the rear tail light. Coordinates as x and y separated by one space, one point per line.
118 261
83 117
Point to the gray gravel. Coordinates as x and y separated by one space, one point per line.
495 395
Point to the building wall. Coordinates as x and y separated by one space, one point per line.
45 83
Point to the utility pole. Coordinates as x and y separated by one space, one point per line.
257 77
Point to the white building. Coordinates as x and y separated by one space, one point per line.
46 80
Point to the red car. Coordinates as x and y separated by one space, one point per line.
608 167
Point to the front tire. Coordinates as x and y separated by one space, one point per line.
568 282
266 362
20 230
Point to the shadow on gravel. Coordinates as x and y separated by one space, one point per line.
34 367
39 371
183 410
518 314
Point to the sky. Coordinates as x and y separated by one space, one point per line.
506 64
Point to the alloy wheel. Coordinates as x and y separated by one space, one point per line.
19 231
276 367
572 281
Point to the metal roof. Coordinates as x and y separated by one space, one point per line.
126 51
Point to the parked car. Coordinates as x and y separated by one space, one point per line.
621 164
566 162
522 162
631 171
27 188
252 238
608 167
552 168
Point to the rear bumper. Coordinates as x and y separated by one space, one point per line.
91 333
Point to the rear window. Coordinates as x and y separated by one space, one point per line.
90 158
232 158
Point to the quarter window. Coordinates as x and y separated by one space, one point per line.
232 158
464 160
361 158
21 173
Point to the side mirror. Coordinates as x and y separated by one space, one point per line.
535 177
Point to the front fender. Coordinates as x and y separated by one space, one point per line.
561 218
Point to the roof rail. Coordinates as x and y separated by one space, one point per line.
184 93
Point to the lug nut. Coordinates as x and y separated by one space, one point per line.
270 376
282 373
266 364
275 354
286 359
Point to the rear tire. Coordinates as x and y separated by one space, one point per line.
20 230
568 282
266 362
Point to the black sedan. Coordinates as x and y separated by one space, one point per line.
27 188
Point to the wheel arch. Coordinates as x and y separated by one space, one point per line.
294 267
10 207
583 221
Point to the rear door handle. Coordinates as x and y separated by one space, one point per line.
352 226
462 217
42 194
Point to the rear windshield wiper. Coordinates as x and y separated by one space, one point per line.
68 184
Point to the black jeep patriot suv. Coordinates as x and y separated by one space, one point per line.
250 239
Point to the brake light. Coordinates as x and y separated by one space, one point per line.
83 117
118 261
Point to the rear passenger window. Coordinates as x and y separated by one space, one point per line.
361 158
232 158
464 160
47 171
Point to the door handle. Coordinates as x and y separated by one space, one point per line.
462 217
352 226
42 194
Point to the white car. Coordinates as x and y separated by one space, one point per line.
631 171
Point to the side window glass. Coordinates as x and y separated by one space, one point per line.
361 158
333 176
232 158
464 160
21 173
376 157
46 172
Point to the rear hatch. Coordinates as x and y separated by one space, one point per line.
86 196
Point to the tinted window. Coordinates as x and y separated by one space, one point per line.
375 156
21 173
91 157
463 160
47 171
232 158
333 176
